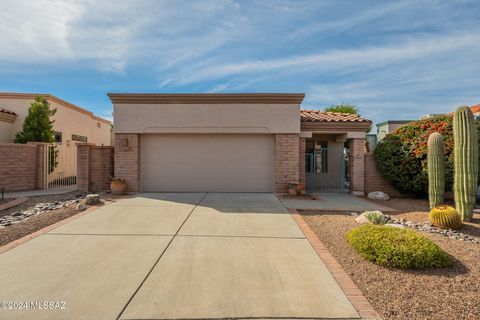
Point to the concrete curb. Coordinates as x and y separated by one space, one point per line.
356 297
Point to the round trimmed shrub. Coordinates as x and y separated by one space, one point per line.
401 157
397 248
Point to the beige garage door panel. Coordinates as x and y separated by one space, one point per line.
208 162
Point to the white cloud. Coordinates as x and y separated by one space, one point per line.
109 33
372 56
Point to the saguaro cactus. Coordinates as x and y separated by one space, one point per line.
465 161
436 169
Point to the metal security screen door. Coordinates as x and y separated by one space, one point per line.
325 170
60 167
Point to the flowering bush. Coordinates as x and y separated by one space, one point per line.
401 156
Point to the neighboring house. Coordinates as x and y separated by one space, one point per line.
476 111
72 123
235 143
387 127
430 115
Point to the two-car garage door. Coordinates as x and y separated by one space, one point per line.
208 162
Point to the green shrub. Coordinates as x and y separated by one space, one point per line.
397 248
401 156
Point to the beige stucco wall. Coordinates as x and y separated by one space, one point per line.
207 118
6 129
67 121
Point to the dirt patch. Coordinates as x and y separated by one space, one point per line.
448 293
3 201
403 204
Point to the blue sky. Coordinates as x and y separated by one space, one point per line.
394 59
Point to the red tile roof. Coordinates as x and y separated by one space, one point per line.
7 111
476 108
327 116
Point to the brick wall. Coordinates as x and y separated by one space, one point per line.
127 160
357 166
21 166
286 161
374 180
94 167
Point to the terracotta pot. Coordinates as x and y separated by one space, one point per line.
301 187
118 187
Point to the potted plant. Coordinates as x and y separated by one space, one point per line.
300 188
296 189
118 185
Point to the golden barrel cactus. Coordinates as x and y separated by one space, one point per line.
445 217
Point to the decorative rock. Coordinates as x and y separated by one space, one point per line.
378 195
427 227
362 219
81 207
92 199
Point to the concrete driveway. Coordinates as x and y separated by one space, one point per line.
174 256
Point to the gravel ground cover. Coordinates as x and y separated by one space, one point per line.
447 293
19 230
32 201
36 222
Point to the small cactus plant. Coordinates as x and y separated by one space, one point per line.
445 217
436 169
376 217
465 162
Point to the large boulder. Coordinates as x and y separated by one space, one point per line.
81 207
92 199
378 195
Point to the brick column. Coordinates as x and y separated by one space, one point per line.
357 166
127 159
41 149
286 161
83 167
301 160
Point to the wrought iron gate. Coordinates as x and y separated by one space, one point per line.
60 166
325 170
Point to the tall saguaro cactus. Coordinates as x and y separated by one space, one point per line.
465 161
436 169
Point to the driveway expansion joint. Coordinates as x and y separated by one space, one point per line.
161 255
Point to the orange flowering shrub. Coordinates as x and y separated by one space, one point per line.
401 156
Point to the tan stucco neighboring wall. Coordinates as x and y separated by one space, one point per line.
207 118
6 129
67 120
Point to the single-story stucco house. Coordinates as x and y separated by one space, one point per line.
249 142
73 124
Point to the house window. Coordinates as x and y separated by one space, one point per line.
57 137
76 137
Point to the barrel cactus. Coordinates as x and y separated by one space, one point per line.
445 217
436 169
465 162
